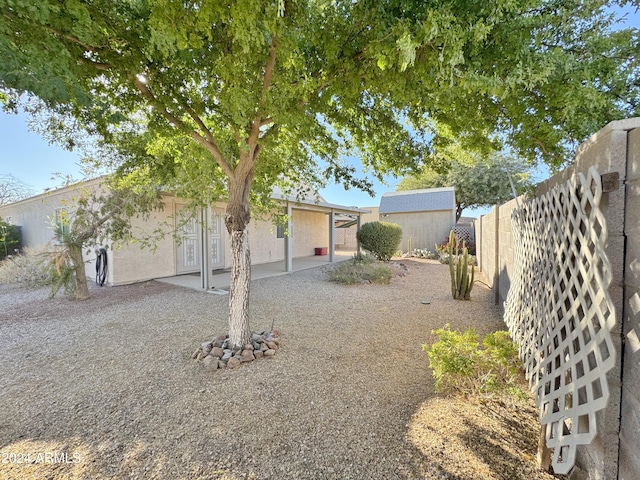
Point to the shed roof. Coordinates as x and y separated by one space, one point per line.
427 200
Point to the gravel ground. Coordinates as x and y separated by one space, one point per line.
107 389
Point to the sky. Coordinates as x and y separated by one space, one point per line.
32 160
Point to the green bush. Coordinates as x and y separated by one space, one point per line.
461 364
380 238
10 239
361 269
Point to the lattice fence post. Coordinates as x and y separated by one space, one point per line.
560 313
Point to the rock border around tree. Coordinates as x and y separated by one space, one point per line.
216 354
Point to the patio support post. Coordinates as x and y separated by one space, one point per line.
288 241
204 249
332 236
357 230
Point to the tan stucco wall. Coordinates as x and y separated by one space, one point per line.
346 237
424 228
310 229
36 216
130 263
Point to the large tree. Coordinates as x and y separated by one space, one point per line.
227 98
12 189
478 182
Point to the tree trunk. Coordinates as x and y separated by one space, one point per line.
82 291
237 223
239 331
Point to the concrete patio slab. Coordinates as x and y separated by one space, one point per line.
221 279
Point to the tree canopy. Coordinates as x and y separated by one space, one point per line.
478 183
228 98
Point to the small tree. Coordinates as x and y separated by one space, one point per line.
380 238
478 182
96 214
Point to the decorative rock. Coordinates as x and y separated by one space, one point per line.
206 347
217 352
233 362
256 337
211 362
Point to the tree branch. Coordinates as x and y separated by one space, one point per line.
209 144
266 84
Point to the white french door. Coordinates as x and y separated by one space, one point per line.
188 244
216 234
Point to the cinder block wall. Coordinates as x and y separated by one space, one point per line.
614 149
607 151
630 427
486 245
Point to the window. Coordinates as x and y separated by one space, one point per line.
280 231
62 222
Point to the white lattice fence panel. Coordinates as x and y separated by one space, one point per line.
559 310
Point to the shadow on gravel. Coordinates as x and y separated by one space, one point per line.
107 388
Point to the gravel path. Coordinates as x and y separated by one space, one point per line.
107 388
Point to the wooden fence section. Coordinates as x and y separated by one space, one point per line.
615 152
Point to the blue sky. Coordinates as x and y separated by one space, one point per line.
28 157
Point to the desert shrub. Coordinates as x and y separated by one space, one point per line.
380 238
62 273
360 269
31 268
462 364
443 247
423 253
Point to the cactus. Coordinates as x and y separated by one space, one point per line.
461 281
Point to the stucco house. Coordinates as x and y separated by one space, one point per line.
425 216
203 244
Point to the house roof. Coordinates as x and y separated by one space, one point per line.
306 198
427 200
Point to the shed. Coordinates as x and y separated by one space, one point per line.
425 216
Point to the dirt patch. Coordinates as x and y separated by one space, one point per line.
108 389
